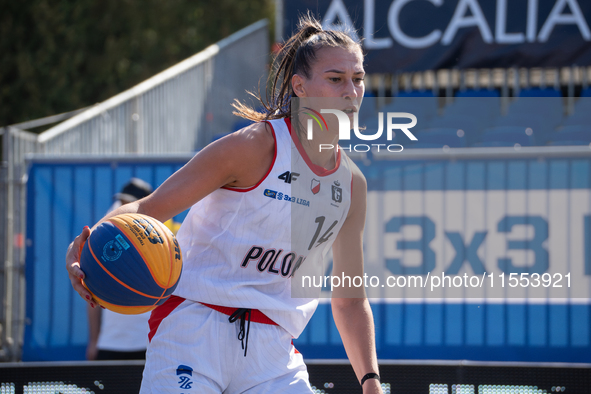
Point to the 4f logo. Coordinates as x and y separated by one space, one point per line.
184 372
287 176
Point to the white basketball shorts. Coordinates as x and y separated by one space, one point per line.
195 349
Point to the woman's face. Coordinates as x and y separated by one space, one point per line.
335 73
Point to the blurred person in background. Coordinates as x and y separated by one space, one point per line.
114 336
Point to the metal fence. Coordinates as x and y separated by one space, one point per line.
13 178
177 111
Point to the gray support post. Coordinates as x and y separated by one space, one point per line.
395 84
556 79
570 102
435 87
516 82
278 20
381 90
449 88
8 341
407 82
462 80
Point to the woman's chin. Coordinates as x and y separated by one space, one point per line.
351 116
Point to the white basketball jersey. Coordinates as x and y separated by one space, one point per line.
241 247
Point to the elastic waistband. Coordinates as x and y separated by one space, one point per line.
256 315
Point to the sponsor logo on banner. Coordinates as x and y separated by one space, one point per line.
531 33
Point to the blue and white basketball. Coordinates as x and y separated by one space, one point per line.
132 263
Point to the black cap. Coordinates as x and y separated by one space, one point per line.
134 190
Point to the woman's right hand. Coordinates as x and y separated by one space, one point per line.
73 266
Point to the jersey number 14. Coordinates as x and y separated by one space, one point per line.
327 234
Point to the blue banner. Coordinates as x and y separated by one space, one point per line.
411 35
463 215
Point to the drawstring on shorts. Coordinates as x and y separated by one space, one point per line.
253 314
240 313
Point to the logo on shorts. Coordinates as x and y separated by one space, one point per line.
185 381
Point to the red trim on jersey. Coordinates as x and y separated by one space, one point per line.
294 348
242 190
316 169
255 315
161 312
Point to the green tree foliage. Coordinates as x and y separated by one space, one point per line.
61 55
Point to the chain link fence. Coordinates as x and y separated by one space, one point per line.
179 110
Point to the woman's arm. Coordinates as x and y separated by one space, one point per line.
240 159
94 330
350 308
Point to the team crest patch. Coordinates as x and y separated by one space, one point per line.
315 186
337 194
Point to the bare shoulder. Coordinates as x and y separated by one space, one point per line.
250 151
358 194
239 160
256 137
359 181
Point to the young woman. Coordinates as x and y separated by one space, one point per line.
266 205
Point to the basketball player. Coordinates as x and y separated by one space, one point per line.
266 204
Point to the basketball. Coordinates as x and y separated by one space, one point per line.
132 263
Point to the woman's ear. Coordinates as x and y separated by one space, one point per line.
297 84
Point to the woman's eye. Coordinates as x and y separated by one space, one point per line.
335 79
